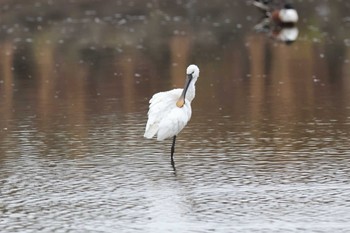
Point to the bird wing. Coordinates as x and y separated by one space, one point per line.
160 106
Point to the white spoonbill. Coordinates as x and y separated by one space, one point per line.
170 111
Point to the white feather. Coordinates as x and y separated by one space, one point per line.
165 119
288 15
160 106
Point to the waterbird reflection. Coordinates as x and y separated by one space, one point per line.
284 34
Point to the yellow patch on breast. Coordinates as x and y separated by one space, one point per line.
180 103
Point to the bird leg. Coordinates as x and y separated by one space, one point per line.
173 148
172 153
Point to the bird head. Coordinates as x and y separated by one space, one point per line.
288 6
192 70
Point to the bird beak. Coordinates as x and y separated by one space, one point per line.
181 101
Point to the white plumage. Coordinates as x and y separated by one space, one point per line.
164 118
288 16
170 111
285 15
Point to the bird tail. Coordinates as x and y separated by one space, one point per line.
150 131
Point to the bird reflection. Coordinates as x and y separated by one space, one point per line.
279 23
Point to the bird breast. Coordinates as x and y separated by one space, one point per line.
174 121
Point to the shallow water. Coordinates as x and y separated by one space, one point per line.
266 149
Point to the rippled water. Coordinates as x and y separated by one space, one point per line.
111 179
266 149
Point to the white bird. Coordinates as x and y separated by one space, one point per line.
170 111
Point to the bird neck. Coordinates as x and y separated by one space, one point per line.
191 92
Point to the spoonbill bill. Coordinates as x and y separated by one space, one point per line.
170 111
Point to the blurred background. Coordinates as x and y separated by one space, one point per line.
60 54
76 77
